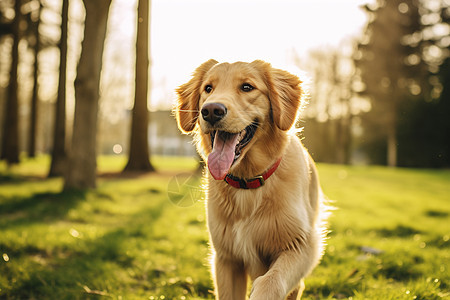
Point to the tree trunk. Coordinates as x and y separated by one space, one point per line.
340 140
35 96
391 128
10 141
348 139
139 150
58 164
82 166
392 144
345 137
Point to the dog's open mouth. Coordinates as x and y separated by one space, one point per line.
227 148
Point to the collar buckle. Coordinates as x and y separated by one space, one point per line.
260 178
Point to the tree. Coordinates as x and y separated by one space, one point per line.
442 121
391 70
424 132
32 133
58 163
81 170
139 150
329 112
10 140
443 105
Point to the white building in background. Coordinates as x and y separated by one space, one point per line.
164 137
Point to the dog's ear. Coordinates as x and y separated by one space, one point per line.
285 93
187 109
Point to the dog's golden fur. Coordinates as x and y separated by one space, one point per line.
272 234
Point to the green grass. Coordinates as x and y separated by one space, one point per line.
126 240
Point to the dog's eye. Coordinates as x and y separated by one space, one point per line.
208 88
246 87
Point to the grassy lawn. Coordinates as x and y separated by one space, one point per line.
125 240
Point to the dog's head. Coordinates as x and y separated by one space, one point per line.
232 106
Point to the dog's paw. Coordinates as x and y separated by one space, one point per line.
268 287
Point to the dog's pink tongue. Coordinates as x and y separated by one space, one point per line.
222 155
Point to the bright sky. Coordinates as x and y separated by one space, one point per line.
185 33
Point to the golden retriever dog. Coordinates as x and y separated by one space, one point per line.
263 194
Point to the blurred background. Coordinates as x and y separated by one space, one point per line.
86 97
97 77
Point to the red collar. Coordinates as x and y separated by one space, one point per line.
254 182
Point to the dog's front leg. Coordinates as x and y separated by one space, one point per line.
284 276
230 279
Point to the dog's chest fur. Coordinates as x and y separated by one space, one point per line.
233 230
241 230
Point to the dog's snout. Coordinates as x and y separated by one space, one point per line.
213 112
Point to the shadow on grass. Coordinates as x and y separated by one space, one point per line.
84 271
399 231
40 207
109 265
10 178
437 214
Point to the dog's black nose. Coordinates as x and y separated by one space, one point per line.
213 112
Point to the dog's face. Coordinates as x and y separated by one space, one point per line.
232 106
233 97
